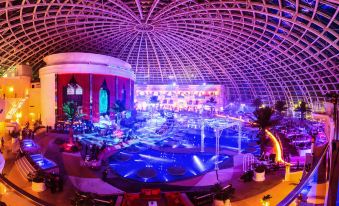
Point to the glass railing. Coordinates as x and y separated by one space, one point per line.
301 192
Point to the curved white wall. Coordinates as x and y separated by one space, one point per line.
85 58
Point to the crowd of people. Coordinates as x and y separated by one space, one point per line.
92 151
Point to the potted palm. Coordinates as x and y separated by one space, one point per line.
265 201
303 109
280 106
14 134
259 173
263 120
72 114
222 196
117 108
38 183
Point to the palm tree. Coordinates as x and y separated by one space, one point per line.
117 108
211 100
263 120
257 102
303 109
72 114
280 106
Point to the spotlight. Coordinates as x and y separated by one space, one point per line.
198 163
174 84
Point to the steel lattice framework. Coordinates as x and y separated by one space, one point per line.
275 49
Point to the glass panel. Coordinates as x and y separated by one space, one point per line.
103 101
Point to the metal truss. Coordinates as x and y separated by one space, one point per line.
274 49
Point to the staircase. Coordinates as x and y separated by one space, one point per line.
25 167
16 105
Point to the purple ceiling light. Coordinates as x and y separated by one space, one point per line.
268 48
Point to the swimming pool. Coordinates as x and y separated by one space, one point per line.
144 164
191 138
42 162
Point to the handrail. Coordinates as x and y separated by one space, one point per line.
297 190
23 193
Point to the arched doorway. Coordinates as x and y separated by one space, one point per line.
104 96
73 93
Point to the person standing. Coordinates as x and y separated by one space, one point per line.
53 184
2 142
60 184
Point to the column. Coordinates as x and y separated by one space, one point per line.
48 104
287 171
239 137
202 144
217 137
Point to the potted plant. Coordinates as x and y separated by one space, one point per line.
280 106
247 176
259 173
118 108
263 120
265 201
38 183
14 134
222 196
72 114
303 109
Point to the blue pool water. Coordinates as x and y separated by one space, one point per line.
141 163
148 165
42 162
192 138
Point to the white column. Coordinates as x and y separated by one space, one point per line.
217 138
202 144
287 171
239 137
48 99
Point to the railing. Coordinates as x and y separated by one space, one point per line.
304 181
23 193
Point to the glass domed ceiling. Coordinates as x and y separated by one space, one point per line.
275 49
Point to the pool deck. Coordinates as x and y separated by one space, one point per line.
88 180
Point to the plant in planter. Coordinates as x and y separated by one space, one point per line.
303 109
222 196
265 201
263 120
118 108
14 134
37 125
280 106
38 179
38 182
72 114
259 173
247 176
